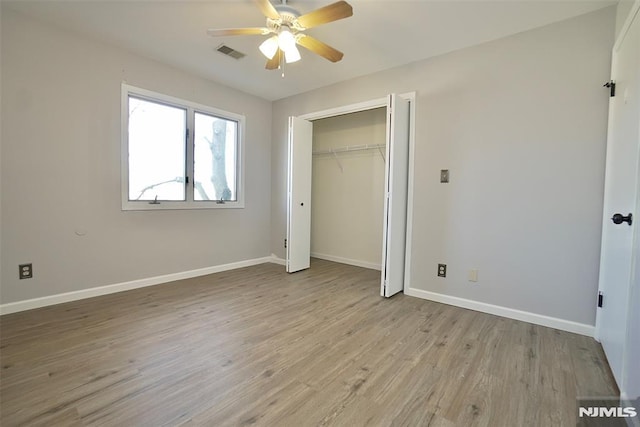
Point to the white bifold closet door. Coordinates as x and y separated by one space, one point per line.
395 201
298 243
298 253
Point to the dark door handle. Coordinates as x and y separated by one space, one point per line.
619 219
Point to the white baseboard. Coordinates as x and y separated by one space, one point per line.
277 260
525 316
348 261
29 304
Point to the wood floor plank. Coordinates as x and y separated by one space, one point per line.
257 346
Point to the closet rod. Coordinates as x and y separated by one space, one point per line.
350 148
334 151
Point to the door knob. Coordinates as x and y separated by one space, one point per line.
619 219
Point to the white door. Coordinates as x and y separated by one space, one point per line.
395 202
298 254
621 192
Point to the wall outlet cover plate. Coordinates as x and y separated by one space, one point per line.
25 271
442 270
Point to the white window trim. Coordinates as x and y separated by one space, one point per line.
189 203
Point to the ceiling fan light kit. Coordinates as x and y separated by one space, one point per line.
292 55
287 43
286 27
269 47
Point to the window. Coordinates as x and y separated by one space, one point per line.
179 155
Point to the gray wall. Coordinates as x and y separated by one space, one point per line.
61 169
521 124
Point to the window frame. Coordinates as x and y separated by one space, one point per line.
189 144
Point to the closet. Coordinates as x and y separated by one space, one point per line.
354 190
347 190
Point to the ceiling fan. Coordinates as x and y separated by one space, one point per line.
286 27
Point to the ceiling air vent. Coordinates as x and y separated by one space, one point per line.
223 48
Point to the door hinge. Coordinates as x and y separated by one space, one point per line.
187 134
285 243
612 87
600 299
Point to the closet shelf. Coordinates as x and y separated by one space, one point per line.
350 148
334 151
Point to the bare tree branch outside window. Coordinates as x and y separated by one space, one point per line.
218 149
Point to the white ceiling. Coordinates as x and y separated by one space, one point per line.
379 35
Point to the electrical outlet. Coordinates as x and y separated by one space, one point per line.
473 275
442 270
444 176
26 271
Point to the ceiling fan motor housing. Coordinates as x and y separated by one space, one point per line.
287 10
288 18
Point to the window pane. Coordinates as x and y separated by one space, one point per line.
215 153
156 151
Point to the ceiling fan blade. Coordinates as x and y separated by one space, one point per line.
237 32
274 63
330 13
322 49
267 9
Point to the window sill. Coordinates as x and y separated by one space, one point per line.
163 206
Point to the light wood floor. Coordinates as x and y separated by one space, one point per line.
259 347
